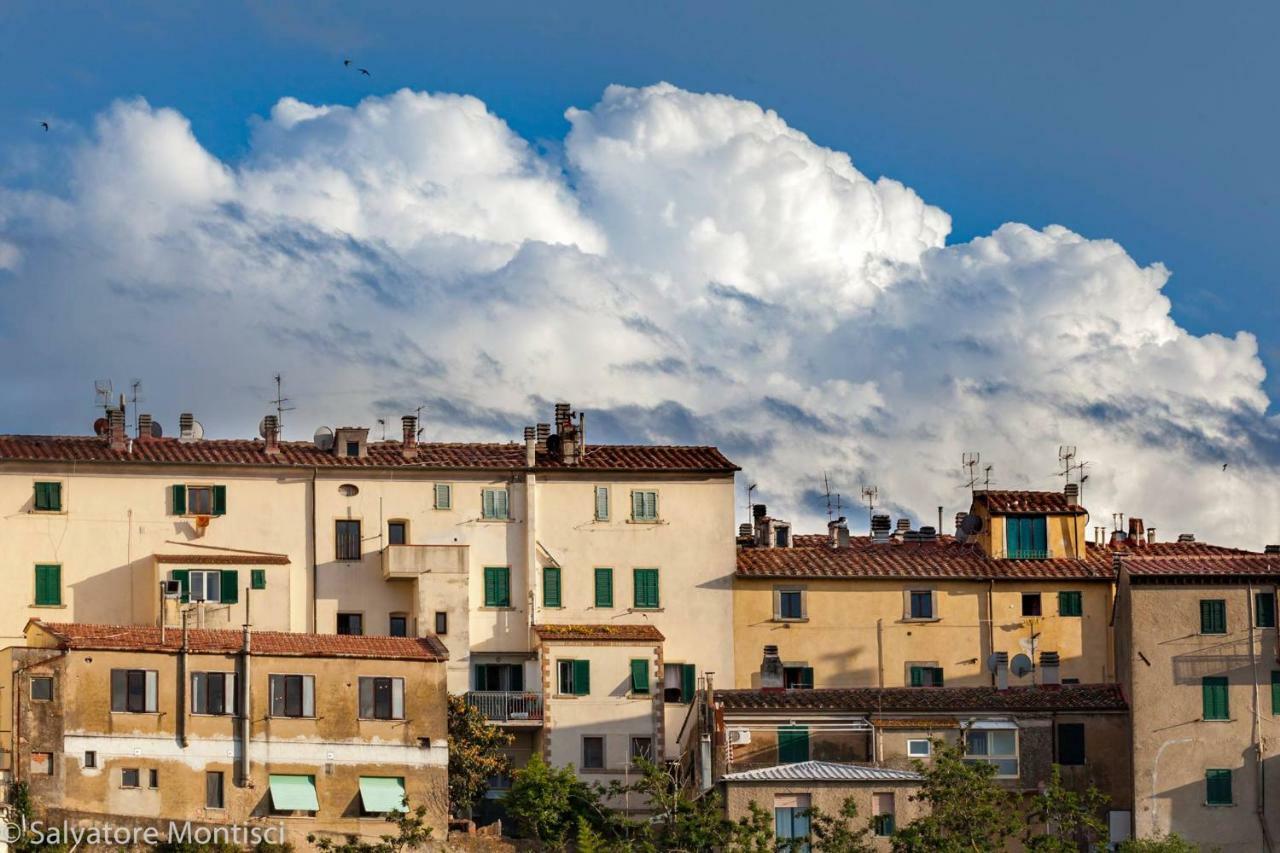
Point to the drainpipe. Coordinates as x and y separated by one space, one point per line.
246 696
1254 739
315 558
182 686
991 622
880 651
531 544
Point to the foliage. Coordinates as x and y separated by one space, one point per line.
966 809
1065 821
839 833
545 803
754 832
1172 843
475 755
412 832
23 814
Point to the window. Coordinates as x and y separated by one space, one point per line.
198 500
353 448
575 677
645 587
130 777
347 533
397 532
48 585
214 797
920 604
602 503
1070 604
994 746
382 698
258 578
351 624
48 497
604 587
1217 788
782 536
797 677
1213 616
882 812
398 625
42 688
497 586
382 795
1031 604
293 696
292 795
91 759
679 682
592 752
791 821
1026 537
42 763
1275 692
641 748
640 676
793 744
1071 744
493 504
789 604
213 693
443 496
1264 609
442 622
551 586
1213 689
644 506
925 676
204 586
153 778
506 677
133 691
918 748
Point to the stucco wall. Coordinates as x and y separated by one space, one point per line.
828 797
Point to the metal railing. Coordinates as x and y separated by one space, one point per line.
505 706
1026 554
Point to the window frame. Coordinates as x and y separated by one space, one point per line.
1264 617
1034 528
644 517
779 597
930 595
394 684
340 539
230 695
391 624
550 601
209 776
928 747
803 673
936 675
257 578
204 575
55 492
1071 595
1037 601
1212 689
150 690
604 755
442 616
647 754
1215 773
46 569
302 695
42 679
602 572
348 614
596 494
137 773
646 571
1213 610
641 681
436 503
403 525
497 602
489 508
994 757
571 671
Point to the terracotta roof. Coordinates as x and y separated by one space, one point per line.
822 771
1066 697
146 638
812 557
224 559
600 633
383 454
1053 503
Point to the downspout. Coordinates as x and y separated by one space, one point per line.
531 544
315 558
991 622
1254 736
246 697
182 685
880 651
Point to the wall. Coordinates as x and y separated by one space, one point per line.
827 796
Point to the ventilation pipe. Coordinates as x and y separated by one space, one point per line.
1002 670
1049 672
771 675
530 447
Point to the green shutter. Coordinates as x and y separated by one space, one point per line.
604 587
443 498
937 676
602 503
49 585
258 578
645 583
49 497
793 744
806 677
581 677
179 499
183 577
637 505
1070 604
1213 616
639 676
229 581
497 586
551 587
1275 692
1264 608
1217 787
689 682
1213 689
219 500
917 676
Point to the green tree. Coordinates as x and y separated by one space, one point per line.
411 833
1171 843
966 809
22 814
1065 821
475 756
840 833
545 803
754 832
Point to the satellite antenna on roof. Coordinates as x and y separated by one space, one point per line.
197 431
1066 456
986 477
970 459
870 494
323 439
102 393
279 402
1020 665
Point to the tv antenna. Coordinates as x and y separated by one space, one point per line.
102 393
970 459
750 488
1066 457
135 397
986 477
418 420
870 494
279 403
382 422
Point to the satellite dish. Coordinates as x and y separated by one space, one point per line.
197 430
100 426
994 660
972 524
157 431
1020 665
323 438
262 428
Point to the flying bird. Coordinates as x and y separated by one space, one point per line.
346 62
1224 465
365 72
45 125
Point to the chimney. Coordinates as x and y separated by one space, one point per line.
1151 536
271 435
144 426
1186 537
1002 670
115 429
543 433
744 534
409 436
186 427
1072 493
838 533
1136 532
563 416
530 446
1049 676
771 676
880 529
960 517
904 524
760 517
1271 549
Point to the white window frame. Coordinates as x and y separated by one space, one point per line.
447 503
204 575
990 727
506 504
928 747
608 503
200 693
933 605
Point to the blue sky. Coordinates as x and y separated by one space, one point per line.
1150 123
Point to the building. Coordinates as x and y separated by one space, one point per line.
318 734
479 544
1198 658
911 607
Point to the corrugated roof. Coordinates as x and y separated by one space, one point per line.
1066 697
600 633
146 638
822 771
383 454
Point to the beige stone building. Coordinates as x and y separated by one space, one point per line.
314 734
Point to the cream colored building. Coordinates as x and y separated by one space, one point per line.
476 543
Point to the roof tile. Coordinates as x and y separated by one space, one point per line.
600 633
1066 697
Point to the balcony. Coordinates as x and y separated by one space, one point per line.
405 562
1026 554
508 707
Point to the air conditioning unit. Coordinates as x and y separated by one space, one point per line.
738 737
172 589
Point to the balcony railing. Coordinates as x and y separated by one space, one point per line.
504 706
1026 554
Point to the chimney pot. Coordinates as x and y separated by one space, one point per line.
186 427
409 436
144 426
271 428
1049 669
1186 537
543 433
116 429
1072 493
771 674
530 447
1151 535
1136 531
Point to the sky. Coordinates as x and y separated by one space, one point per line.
837 238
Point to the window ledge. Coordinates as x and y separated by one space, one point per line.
788 620
49 606
497 607
1219 720
646 609
47 512
1220 805
924 619
646 521
139 713
496 520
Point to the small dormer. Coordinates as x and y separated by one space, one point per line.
1027 525
351 442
